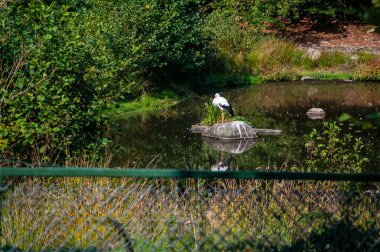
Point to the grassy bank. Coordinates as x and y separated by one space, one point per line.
273 59
143 105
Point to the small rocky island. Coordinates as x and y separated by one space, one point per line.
234 130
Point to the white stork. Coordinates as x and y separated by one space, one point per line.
222 103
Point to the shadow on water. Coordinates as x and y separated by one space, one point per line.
165 140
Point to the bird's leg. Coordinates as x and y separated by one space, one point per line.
222 116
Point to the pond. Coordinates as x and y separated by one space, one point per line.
164 140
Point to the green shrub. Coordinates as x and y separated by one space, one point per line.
64 62
334 151
156 42
226 33
54 84
332 59
272 54
369 70
366 57
268 13
164 39
372 13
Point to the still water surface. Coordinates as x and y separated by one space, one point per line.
164 140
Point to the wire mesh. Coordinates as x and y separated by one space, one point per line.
134 214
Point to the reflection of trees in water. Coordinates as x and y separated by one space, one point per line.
165 141
284 95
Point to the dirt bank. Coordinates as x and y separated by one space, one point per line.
345 37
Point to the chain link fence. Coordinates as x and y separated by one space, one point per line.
187 214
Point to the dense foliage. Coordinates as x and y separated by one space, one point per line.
158 41
372 13
335 151
53 84
63 63
261 12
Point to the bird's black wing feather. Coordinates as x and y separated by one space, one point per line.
227 108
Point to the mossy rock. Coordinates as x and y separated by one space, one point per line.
230 130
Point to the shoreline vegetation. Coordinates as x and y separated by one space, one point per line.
283 62
78 65
142 105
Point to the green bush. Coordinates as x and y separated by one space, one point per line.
332 59
334 151
261 13
225 32
271 53
54 84
156 42
369 70
64 62
164 39
372 13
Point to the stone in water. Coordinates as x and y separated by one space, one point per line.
230 130
316 113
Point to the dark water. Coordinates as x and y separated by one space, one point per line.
165 140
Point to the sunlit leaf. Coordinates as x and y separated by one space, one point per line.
344 117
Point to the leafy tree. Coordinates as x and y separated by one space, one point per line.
158 42
63 62
53 84
372 13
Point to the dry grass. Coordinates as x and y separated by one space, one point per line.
162 214
271 55
274 59
368 70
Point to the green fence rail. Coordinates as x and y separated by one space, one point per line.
171 173
101 209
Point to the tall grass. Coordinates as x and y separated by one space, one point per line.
369 70
212 114
332 59
169 214
247 52
271 54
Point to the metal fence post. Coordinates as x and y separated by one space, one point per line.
1 208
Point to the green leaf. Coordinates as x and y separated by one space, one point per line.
344 117
373 115
42 149
47 37
41 97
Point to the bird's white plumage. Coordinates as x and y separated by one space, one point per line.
219 167
220 102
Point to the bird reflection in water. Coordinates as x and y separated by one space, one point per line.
221 165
